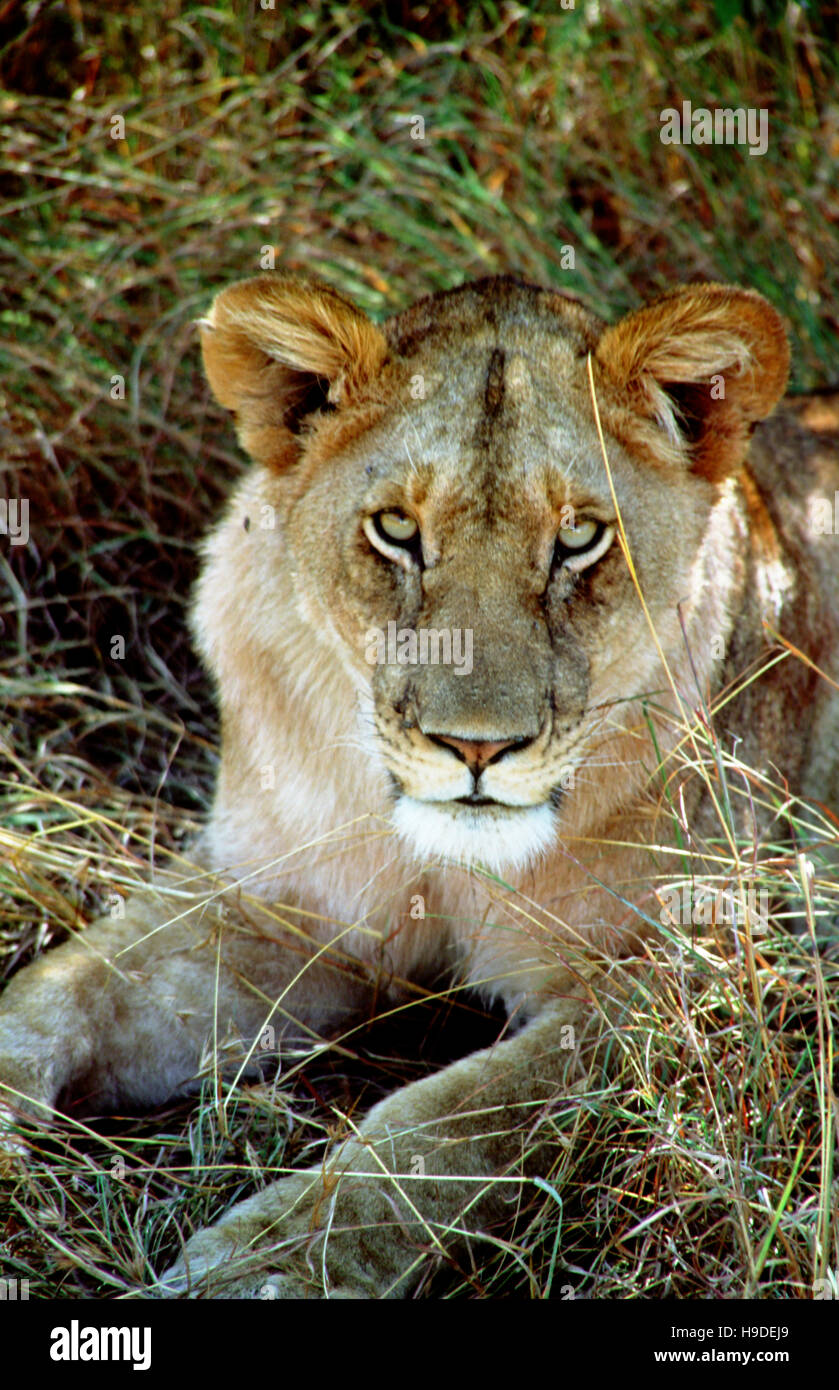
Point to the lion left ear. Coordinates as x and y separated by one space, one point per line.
278 348
705 362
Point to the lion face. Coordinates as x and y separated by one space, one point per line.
470 577
452 530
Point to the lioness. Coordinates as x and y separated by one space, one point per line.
490 558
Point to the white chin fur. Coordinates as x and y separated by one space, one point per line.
468 837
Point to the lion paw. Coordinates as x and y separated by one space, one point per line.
266 1247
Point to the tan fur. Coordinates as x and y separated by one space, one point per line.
470 413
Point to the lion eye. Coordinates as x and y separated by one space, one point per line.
580 545
579 537
396 527
396 536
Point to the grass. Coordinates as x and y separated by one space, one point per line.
704 1167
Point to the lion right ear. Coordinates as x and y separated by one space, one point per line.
278 348
705 363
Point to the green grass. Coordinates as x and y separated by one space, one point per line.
703 1167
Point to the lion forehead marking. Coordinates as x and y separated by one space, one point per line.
508 382
494 388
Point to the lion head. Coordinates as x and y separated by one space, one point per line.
498 523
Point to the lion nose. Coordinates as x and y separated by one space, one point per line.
477 755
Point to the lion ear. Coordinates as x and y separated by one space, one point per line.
704 362
278 348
